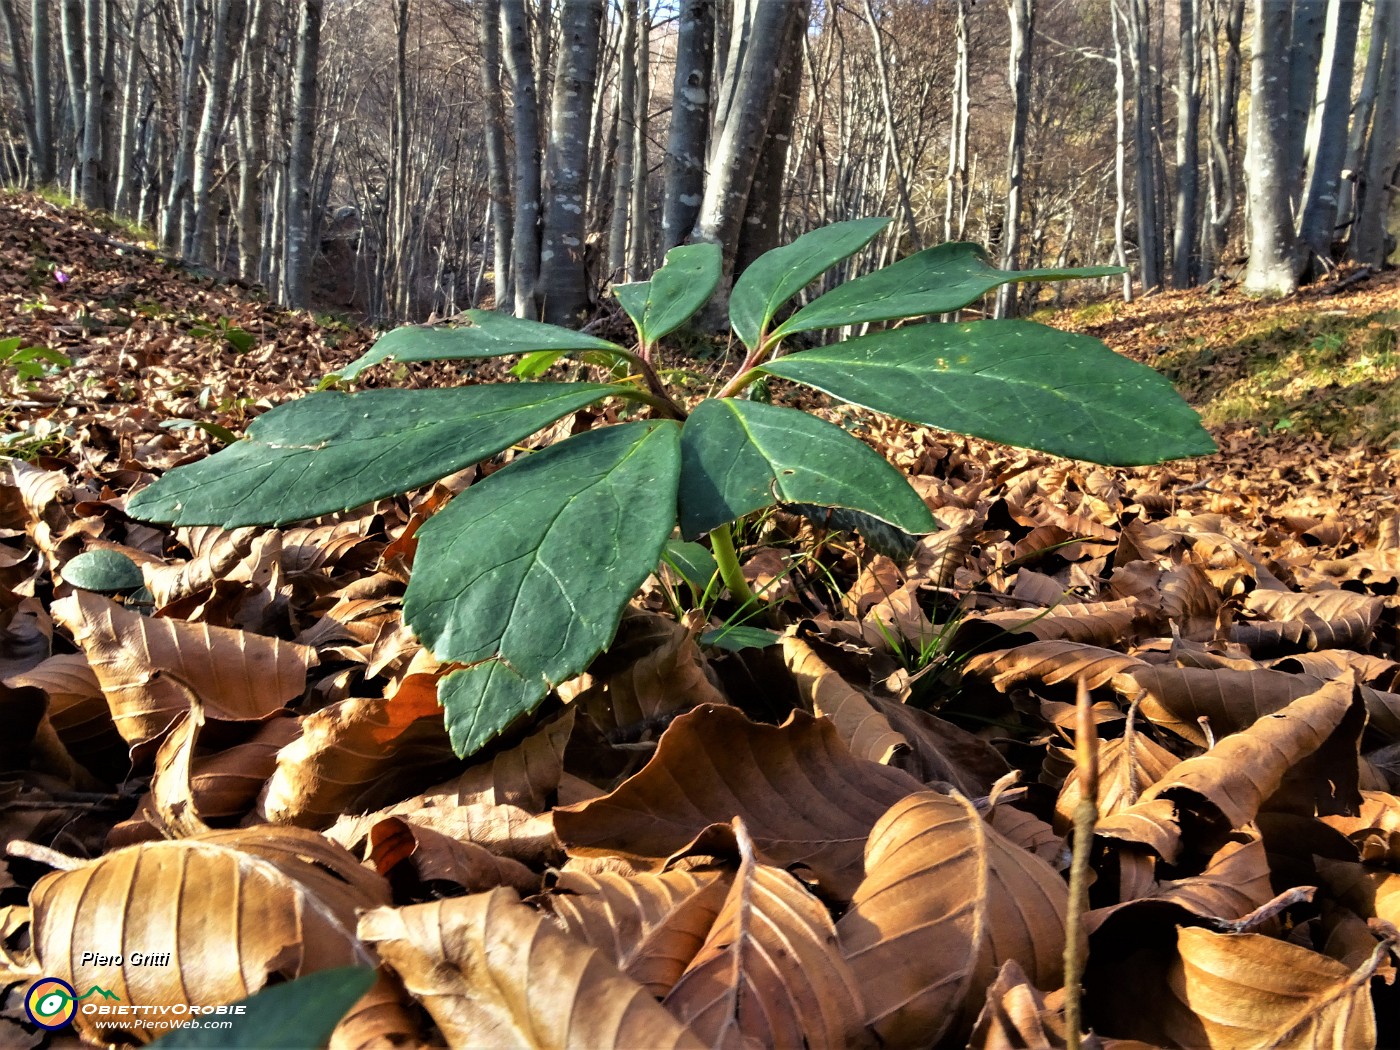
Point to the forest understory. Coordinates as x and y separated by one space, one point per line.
857 834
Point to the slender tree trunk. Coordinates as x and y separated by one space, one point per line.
1188 112
955 204
177 202
1120 154
41 83
639 240
230 17
308 51
525 240
71 25
1149 214
1361 112
626 143
19 63
1022 15
252 142
564 287
1271 269
1370 235
891 132
747 97
1306 32
497 168
690 106
1327 136
90 157
131 106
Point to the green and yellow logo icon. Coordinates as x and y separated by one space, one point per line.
51 1003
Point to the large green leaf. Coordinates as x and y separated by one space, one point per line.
526 574
738 456
298 1015
684 284
486 334
1012 381
776 276
934 281
331 451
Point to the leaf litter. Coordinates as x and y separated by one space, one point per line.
856 836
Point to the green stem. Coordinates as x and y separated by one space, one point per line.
727 558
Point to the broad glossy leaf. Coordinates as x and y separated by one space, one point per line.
103 570
934 281
683 285
1011 381
332 451
696 565
300 1013
486 334
526 574
776 276
738 456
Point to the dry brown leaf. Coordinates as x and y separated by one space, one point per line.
493 972
1246 990
1128 766
804 797
945 902
1153 824
770 972
239 676
229 910
1370 892
860 725
1090 623
526 776
1016 1017
506 831
1051 663
1245 769
351 752
1177 698
413 856
649 925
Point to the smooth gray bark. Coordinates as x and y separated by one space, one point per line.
626 145
1188 111
753 69
497 163
639 239
90 154
690 120
230 17
564 291
959 193
1370 235
1272 269
1022 16
1327 136
525 115
299 161
1149 211
252 142
14 40
1306 39
177 201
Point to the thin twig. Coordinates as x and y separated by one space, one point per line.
1086 815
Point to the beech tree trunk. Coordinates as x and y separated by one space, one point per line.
1327 137
1188 111
525 114
1022 16
252 143
564 292
230 17
688 139
622 169
1272 269
299 161
90 154
1370 236
497 168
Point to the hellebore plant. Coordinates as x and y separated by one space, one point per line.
523 578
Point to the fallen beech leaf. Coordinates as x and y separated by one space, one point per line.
396 845
494 972
526 776
1176 697
1051 663
861 727
506 831
1370 892
1242 771
239 676
945 902
1153 824
803 796
1097 623
770 972
1248 990
649 925
350 749
1016 1017
1128 766
228 909
78 712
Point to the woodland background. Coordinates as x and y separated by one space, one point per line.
401 158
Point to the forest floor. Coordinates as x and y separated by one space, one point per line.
893 869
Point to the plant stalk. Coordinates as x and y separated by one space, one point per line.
727 558
1086 815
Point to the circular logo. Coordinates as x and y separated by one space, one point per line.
50 1003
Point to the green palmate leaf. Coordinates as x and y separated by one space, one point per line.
486 334
298 1015
776 276
1012 381
683 285
526 574
935 281
738 456
331 451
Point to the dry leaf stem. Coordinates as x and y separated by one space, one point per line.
1086 815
